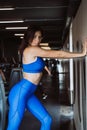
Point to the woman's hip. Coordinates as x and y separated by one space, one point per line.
23 88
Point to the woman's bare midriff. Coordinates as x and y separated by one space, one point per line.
33 77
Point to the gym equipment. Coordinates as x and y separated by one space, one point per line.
2 105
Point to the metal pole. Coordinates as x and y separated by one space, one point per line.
71 66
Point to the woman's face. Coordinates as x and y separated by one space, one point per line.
37 39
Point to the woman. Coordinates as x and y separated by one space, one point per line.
22 94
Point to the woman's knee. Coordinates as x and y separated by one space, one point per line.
47 119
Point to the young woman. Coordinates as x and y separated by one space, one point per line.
22 95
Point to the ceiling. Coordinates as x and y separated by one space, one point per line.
54 16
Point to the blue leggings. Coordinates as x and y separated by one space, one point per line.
22 97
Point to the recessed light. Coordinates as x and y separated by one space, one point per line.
7 8
44 44
21 37
16 28
19 34
12 21
47 48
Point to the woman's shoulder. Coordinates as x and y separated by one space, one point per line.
26 50
35 51
32 49
29 51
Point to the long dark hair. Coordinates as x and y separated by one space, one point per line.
28 37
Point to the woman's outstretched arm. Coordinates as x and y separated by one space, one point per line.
37 51
46 68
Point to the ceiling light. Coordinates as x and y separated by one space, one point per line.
15 21
68 21
16 28
21 37
44 44
19 34
47 48
7 8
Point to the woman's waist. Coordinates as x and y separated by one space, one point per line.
33 77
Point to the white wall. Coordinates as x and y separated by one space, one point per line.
80 22
79 33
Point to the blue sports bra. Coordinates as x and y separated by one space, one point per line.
35 67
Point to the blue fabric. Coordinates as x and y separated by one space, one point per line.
34 67
22 97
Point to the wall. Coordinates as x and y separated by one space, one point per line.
79 33
80 22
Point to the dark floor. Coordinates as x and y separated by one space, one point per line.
56 102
